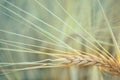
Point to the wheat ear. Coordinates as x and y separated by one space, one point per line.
105 64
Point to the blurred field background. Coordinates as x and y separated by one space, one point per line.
56 21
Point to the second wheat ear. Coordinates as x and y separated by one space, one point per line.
105 64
